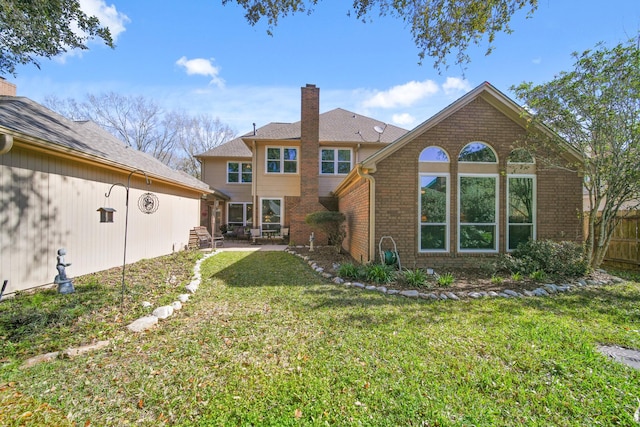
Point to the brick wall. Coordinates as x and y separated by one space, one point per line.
309 169
559 192
355 206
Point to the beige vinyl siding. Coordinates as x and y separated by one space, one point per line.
275 184
215 173
49 203
328 183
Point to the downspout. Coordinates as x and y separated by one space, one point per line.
372 210
254 184
6 142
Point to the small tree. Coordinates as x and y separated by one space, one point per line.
332 223
596 109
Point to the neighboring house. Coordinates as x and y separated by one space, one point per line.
454 189
54 174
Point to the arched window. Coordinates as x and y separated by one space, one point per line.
520 155
433 200
434 154
477 152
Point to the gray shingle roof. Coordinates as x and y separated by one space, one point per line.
29 118
234 148
337 125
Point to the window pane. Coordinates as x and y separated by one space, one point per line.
477 237
433 154
327 167
290 153
249 216
290 166
520 155
235 213
232 167
477 199
344 155
327 155
433 199
273 166
432 237
270 214
519 234
344 167
477 152
520 200
273 153
246 172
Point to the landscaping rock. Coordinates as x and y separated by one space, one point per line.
529 294
142 324
551 288
452 296
475 295
183 298
393 292
443 297
327 275
358 285
382 289
177 305
539 292
191 287
146 304
163 312
370 288
410 293
492 294
73 352
39 359
338 280
512 293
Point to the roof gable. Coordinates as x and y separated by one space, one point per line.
34 122
234 148
485 91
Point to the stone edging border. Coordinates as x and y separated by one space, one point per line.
544 290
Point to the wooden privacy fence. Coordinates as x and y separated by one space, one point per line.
624 249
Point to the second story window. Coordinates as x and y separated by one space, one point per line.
282 160
238 172
334 161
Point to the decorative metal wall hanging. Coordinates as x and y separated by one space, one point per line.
148 203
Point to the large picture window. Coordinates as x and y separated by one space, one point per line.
434 203
521 216
478 212
240 214
271 214
282 160
335 161
238 172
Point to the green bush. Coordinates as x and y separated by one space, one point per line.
555 259
415 277
446 280
379 273
332 223
349 270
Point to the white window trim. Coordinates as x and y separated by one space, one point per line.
240 181
535 206
282 160
497 213
335 160
244 211
447 224
281 210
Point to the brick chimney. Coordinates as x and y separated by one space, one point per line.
308 201
6 88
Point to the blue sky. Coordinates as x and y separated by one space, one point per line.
199 57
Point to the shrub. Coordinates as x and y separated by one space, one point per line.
379 273
538 275
332 223
349 270
445 280
517 276
496 280
415 277
564 259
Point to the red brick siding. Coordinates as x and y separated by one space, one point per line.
355 205
558 192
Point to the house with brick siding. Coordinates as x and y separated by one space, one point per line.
456 188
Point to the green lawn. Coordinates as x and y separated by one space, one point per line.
265 341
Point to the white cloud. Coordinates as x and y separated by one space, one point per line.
403 119
456 85
402 95
201 67
108 16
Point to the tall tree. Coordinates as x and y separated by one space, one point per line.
438 26
44 28
596 109
172 137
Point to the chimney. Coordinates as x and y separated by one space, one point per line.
309 200
6 88
309 141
